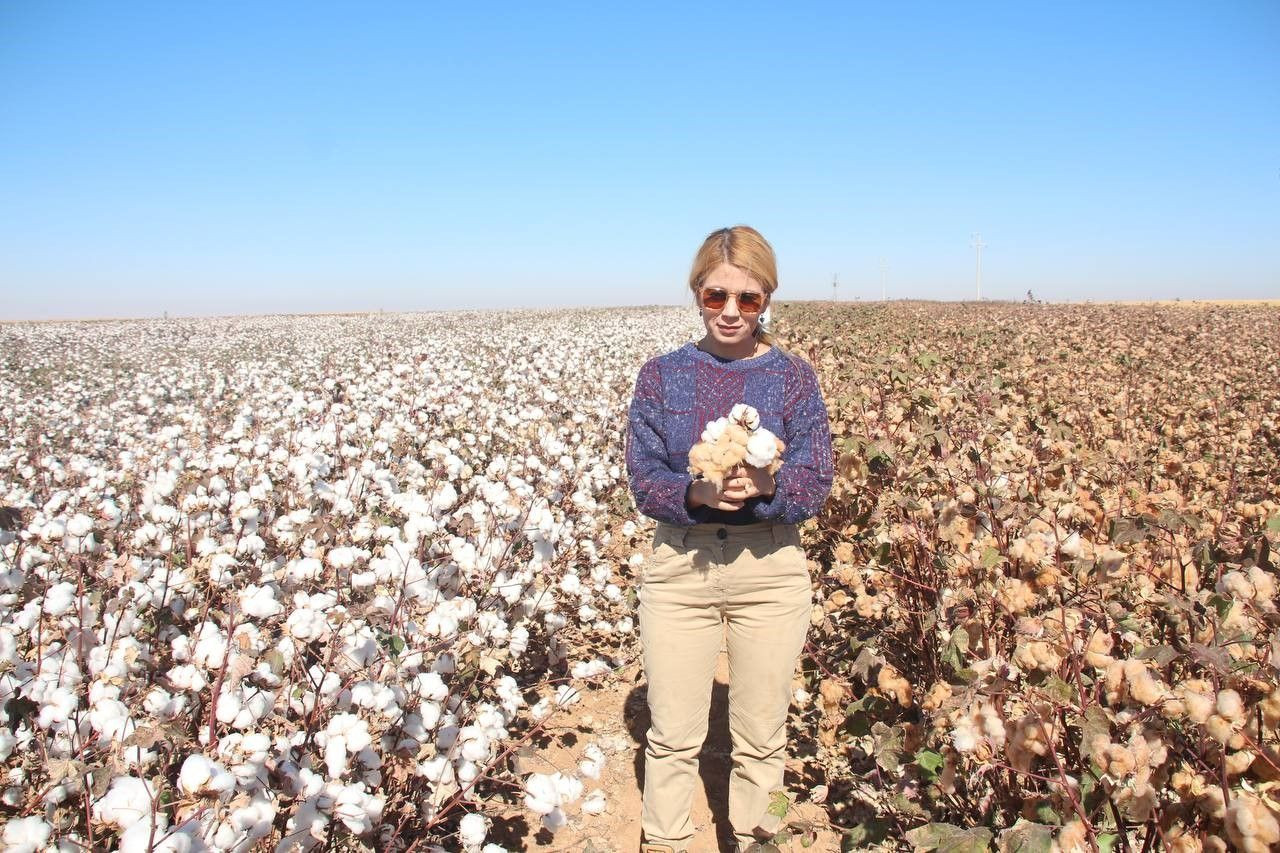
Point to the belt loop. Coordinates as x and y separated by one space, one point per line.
681 533
779 536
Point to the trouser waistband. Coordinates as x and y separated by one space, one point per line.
759 531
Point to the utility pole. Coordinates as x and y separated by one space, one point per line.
834 278
978 245
884 293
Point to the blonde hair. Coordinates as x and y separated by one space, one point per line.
745 248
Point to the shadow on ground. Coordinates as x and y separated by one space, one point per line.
714 760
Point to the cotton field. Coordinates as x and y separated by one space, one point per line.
1048 592
289 580
300 582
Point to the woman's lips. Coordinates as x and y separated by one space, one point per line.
729 330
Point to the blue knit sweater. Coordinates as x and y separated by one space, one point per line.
679 393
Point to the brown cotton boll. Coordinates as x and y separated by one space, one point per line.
1237 762
1185 783
1214 844
1180 840
868 606
891 684
833 694
1270 707
1251 826
836 601
947 779
1098 649
1037 655
1137 801
1230 705
1197 698
1072 838
737 435
1029 626
699 458
1219 728
937 696
1211 802
1117 761
1098 749
1156 750
1016 596
1031 807
1047 578
1144 688
912 737
1113 681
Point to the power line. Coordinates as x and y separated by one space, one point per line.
978 245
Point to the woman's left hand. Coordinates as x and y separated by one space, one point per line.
745 482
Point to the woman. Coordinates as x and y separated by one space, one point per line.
727 560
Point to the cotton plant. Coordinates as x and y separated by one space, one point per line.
309 552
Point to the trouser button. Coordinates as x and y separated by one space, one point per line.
722 533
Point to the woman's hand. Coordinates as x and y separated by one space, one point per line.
704 493
744 483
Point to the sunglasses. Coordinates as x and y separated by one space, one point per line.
749 301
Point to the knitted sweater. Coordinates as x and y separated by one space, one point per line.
677 394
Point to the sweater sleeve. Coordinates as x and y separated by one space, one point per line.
659 491
803 482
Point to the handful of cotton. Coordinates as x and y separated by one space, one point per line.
732 441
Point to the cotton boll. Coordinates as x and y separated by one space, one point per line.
222 569
474 744
472 830
356 808
745 416
201 777
592 762
554 819
26 834
144 837
126 802
714 430
238 831
438 770
762 449
541 794
59 598
594 803
187 677
589 669
260 602
306 624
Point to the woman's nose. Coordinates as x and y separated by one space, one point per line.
730 307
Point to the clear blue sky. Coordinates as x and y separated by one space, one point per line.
217 158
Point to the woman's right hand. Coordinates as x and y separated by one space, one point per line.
705 493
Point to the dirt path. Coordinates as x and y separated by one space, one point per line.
615 717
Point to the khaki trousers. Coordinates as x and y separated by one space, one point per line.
750 582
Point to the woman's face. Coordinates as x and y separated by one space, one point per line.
730 325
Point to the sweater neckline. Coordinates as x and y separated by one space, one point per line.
763 360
